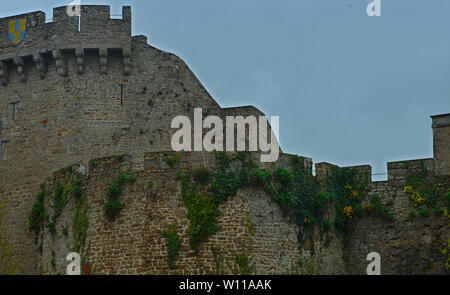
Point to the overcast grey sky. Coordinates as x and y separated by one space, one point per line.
349 89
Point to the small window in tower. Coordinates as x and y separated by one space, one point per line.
3 150
121 95
14 108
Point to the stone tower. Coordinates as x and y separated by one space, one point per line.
78 89
441 143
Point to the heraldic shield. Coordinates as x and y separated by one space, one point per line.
16 30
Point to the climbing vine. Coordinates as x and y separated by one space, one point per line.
242 264
202 211
173 244
38 214
172 161
80 224
296 191
202 201
69 187
347 189
427 191
375 208
113 206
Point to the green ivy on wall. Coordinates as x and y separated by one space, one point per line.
38 215
296 191
427 191
80 224
173 244
113 206
202 211
242 264
202 201
67 188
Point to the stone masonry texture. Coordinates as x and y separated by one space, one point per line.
70 94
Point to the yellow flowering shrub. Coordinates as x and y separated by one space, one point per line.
369 206
348 212
446 253
414 196
355 194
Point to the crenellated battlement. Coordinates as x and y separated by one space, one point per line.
93 30
107 124
397 171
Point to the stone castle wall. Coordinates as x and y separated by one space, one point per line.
251 222
71 94
63 103
412 244
133 244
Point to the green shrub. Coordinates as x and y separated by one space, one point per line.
202 214
340 223
112 209
113 191
202 176
242 178
326 225
51 227
38 215
259 177
172 161
377 209
70 187
119 157
123 178
283 177
150 184
68 169
286 199
80 224
76 191
431 194
41 195
418 178
173 244
437 210
222 160
324 198
60 198
243 265
226 181
423 212
447 198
